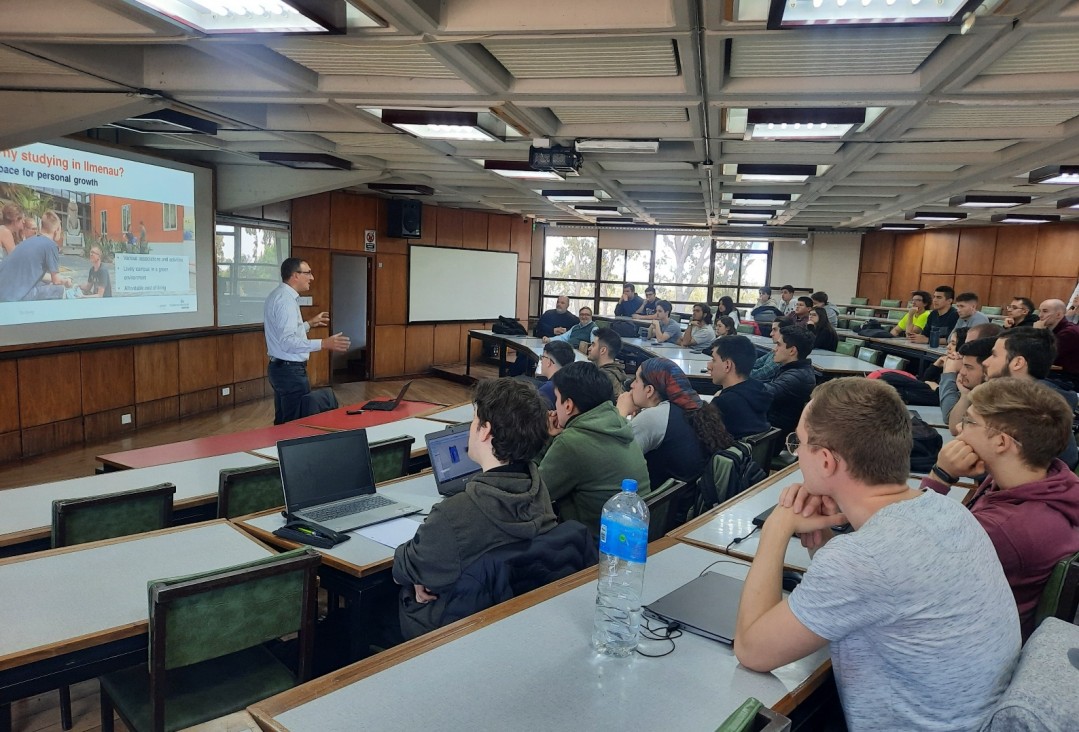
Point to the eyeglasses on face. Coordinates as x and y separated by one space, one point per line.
304 272
966 421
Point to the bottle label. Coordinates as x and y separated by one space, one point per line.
624 542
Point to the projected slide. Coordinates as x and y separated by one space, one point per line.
85 235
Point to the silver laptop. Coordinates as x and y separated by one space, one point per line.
327 481
452 467
706 605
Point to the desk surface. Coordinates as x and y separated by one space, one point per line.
78 597
339 419
533 344
26 513
454 415
667 350
498 659
414 427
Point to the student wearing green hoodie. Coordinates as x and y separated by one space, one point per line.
593 448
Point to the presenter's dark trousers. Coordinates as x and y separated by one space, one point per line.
290 384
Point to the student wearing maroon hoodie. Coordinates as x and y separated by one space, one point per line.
1029 503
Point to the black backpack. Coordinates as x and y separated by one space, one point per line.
926 445
508 326
873 329
731 470
911 391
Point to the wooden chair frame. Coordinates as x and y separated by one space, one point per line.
229 475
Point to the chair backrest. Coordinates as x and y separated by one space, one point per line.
847 348
871 355
765 445
241 491
753 716
864 312
213 614
744 328
896 314
390 458
856 324
990 310
729 472
1060 596
79 520
659 504
859 301
318 401
895 362
889 303
624 328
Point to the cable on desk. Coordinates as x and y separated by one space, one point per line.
740 539
665 633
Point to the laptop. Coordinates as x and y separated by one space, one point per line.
327 481
706 605
390 405
452 467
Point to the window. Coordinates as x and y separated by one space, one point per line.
168 216
681 275
125 217
740 268
104 216
617 267
569 268
249 256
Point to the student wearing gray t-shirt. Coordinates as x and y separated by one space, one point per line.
923 630
663 329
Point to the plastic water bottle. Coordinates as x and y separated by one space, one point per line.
623 548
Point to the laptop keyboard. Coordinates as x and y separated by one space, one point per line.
349 507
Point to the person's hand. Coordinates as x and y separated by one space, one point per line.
423 595
959 459
1009 322
553 428
1040 324
626 407
338 342
951 365
546 339
625 297
68 282
319 320
917 338
559 331
810 508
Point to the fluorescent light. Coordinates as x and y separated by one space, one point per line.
615 220
797 123
934 216
1013 218
402 189
754 172
756 224
570 196
616 146
597 210
307 161
446 125
236 16
796 13
168 121
902 227
1068 203
751 214
519 169
980 201
1067 175
760 199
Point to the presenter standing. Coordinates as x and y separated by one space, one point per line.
286 339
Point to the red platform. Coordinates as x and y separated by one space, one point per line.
339 419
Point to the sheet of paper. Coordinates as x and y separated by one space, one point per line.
391 533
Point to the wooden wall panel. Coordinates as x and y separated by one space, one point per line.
931 282
906 265
1058 254
386 244
249 357
1051 288
104 425
250 389
1017 248
447 344
53 436
450 227
1003 289
391 290
978 284
499 228
9 396
521 238
878 249
156 373
350 216
10 446
474 229
198 402
389 358
198 364
50 389
941 250
977 248
157 411
226 355
419 348
311 222
873 285
108 379
428 224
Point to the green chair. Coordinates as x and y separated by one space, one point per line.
842 321
990 310
79 520
856 324
871 355
390 457
895 362
864 312
896 314
744 328
753 716
207 635
847 348
859 301
659 502
1060 596
890 304
241 491
764 446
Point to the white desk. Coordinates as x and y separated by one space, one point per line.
415 427
455 415
534 669
667 350
931 415
26 513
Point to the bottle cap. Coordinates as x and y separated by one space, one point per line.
630 485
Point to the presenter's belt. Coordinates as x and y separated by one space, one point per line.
281 360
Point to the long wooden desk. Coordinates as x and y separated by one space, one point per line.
72 614
339 419
455 414
504 342
414 427
26 513
527 664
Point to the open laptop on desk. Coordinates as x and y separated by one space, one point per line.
327 481
390 405
448 450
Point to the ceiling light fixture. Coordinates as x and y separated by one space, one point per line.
756 172
215 17
795 123
402 189
1014 218
168 121
596 145
761 199
750 213
902 227
756 224
974 200
934 216
447 125
799 13
597 210
585 196
306 161
1066 175
519 169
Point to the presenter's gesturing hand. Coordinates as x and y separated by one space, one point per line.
319 320
338 342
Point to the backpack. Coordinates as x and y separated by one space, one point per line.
624 328
911 391
873 329
729 472
926 445
508 326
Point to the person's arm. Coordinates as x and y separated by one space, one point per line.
559 469
280 320
948 391
662 334
901 326
431 558
765 369
959 410
688 338
650 426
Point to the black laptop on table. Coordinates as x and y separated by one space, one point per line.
452 467
706 605
327 481
389 406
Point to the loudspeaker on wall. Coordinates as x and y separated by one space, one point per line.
403 218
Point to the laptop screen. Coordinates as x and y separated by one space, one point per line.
325 468
448 451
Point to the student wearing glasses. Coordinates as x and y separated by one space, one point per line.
556 354
286 339
1029 503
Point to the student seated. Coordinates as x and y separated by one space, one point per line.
725 326
824 336
663 329
793 383
915 606
916 316
556 354
506 503
942 316
820 300
592 449
629 303
669 423
743 402
961 376
1021 313
580 333
1029 503
602 351
765 367
935 370
699 332
966 306
799 314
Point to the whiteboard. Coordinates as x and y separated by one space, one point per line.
460 284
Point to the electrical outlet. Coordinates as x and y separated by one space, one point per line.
125 419
225 391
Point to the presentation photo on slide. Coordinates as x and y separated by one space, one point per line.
85 235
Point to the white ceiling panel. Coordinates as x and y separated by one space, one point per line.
326 56
1040 53
599 58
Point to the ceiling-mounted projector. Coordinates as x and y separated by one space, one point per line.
555 159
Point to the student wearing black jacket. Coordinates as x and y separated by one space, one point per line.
792 386
743 403
824 335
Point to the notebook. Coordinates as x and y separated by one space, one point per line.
327 481
448 450
390 405
706 605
